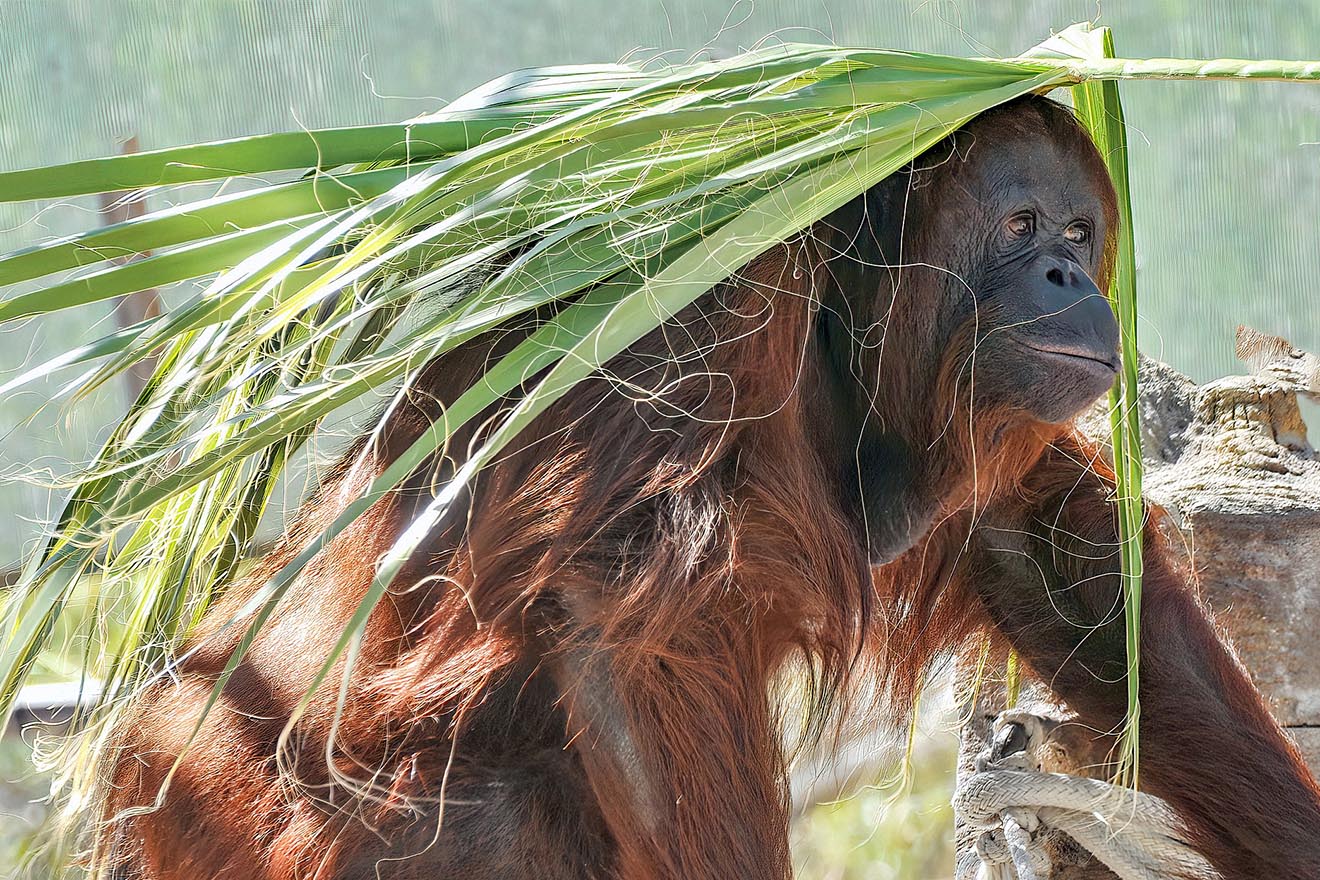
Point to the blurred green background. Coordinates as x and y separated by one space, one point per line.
1225 176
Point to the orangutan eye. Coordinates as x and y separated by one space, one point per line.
1078 233
1020 225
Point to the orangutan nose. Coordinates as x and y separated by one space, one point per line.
1074 317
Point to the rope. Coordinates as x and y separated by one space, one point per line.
1015 806
1020 847
1135 835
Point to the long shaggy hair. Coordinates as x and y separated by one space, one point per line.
609 606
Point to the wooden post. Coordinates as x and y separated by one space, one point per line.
118 207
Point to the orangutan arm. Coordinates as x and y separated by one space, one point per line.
1046 570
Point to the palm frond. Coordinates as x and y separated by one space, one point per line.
1099 108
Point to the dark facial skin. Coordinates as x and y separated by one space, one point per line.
982 262
1051 330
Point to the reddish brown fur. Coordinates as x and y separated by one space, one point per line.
580 663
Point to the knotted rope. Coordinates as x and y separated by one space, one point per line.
1135 835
